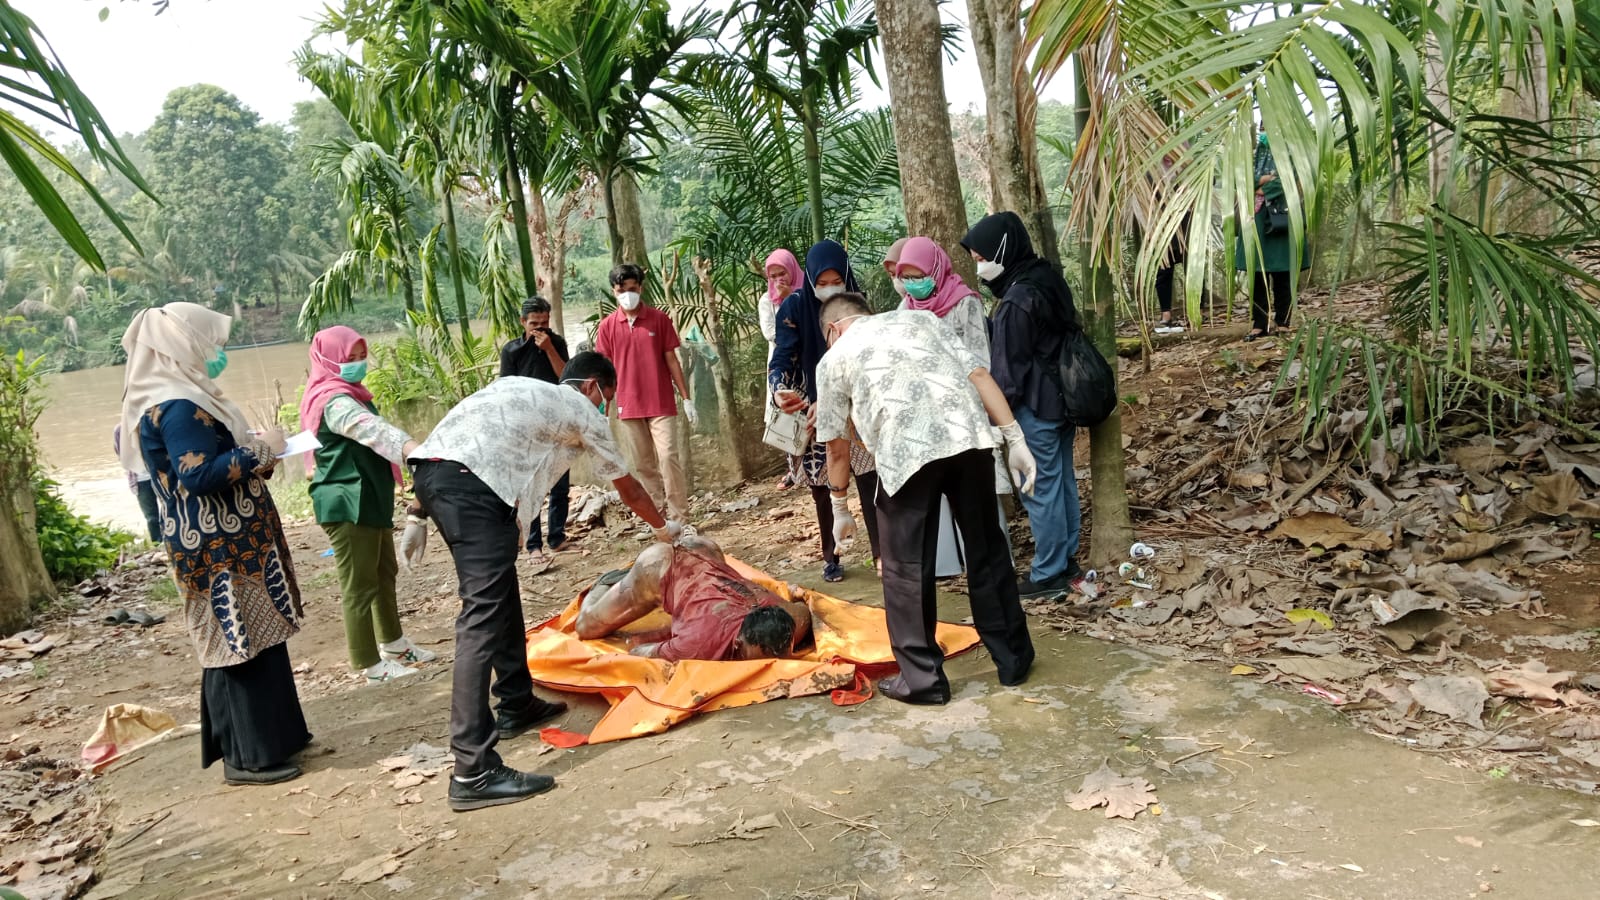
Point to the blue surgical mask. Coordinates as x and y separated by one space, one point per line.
353 372
919 288
216 364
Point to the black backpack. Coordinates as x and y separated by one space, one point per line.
1088 386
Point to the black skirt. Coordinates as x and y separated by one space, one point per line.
250 713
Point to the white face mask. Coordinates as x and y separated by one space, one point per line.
628 300
989 270
899 286
829 292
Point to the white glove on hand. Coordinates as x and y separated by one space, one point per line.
414 541
1019 459
844 524
275 440
690 413
670 532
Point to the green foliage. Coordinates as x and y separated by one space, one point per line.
424 372
33 82
215 168
73 547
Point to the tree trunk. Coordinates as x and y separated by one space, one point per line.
728 419
408 281
928 178
550 246
511 180
1113 525
630 219
811 127
608 193
1520 207
457 280
1011 107
24 583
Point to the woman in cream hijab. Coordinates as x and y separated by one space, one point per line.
222 533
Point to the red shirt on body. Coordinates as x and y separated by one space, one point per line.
638 350
708 602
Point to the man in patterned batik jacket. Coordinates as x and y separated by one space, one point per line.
923 405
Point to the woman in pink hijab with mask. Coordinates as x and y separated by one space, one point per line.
784 277
352 495
930 283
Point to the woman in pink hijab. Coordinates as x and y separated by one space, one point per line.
784 277
352 495
923 272
931 283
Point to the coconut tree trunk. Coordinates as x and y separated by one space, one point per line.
1113 525
608 194
630 219
728 419
550 246
511 182
457 282
811 127
1011 107
928 180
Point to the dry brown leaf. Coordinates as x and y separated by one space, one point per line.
1326 530
1469 545
1122 797
374 869
1533 681
1457 696
1323 669
1583 728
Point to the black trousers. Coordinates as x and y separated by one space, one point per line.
481 530
1277 283
146 493
909 521
559 497
867 490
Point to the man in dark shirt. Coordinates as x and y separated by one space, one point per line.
1033 317
541 353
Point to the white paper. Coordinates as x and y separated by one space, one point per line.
304 442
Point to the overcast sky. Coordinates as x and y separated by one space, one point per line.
128 63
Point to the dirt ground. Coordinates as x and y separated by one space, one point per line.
1261 790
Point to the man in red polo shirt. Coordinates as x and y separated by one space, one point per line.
641 342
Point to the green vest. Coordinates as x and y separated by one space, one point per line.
352 483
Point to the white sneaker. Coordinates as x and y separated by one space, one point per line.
403 651
387 670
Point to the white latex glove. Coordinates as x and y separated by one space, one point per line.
690 413
1019 459
844 524
670 532
275 439
414 541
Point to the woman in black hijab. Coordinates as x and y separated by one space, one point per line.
792 378
1034 315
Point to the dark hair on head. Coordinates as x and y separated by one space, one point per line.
535 304
590 364
626 271
848 303
769 629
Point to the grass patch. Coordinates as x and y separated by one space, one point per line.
162 592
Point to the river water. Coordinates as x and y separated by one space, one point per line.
75 428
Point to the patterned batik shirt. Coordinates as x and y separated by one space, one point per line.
902 377
520 435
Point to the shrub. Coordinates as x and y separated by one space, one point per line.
73 547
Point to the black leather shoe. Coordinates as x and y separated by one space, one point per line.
269 775
894 687
512 724
496 787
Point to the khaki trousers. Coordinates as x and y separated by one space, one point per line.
658 464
